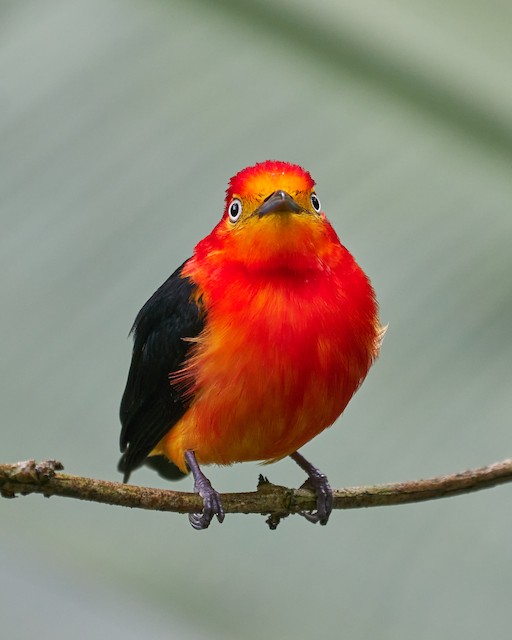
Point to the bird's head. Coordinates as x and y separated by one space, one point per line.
272 218
276 189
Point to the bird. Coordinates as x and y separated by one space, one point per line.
254 345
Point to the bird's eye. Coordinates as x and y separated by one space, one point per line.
315 202
235 209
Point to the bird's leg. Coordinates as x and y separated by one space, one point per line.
320 485
212 505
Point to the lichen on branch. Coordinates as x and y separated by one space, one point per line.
47 478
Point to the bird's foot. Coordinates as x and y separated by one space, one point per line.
320 485
212 504
317 482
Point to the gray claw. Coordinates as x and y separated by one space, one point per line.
212 504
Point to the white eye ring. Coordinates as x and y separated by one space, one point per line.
315 202
235 209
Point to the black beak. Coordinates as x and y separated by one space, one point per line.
278 202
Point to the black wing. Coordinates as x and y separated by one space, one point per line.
150 405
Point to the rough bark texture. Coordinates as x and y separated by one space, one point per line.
46 477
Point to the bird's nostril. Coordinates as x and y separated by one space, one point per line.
280 194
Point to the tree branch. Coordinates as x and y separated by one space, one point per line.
23 478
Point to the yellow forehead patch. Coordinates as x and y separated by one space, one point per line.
264 178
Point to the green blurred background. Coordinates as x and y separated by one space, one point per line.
120 124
